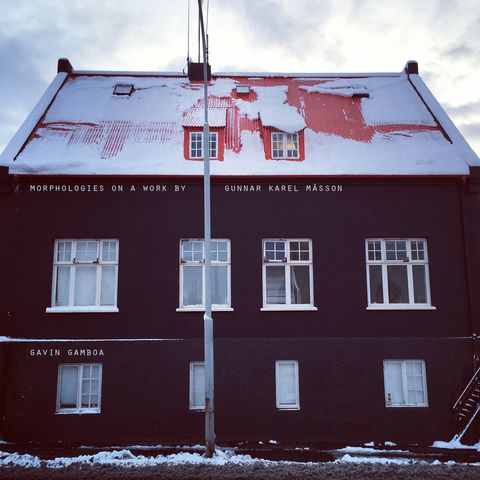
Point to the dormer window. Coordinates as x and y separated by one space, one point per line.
124 89
196 145
285 145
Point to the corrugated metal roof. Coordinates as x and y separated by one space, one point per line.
87 129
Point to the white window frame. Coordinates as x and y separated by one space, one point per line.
199 135
289 406
192 405
200 308
79 409
288 263
73 263
403 363
410 262
284 138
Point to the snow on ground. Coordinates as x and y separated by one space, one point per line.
125 458
455 444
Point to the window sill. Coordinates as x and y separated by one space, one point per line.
289 308
76 411
406 406
401 307
287 409
202 309
81 310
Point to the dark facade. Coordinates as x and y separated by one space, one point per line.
145 349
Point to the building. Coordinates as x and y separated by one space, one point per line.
345 214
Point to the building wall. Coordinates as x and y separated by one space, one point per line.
145 395
340 347
150 225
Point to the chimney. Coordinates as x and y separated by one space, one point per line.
195 72
64 65
411 67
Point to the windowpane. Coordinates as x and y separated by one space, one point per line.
197 385
109 251
219 285
376 283
393 383
68 386
107 296
300 284
286 384
62 287
64 251
419 284
397 283
275 284
86 251
192 285
85 285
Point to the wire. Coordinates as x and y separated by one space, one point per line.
188 32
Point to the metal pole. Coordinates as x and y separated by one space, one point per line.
207 317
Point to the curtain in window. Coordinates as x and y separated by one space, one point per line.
68 387
275 284
393 383
286 387
198 386
192 285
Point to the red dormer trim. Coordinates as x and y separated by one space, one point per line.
220 146
267 142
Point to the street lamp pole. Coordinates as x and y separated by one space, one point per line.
207 317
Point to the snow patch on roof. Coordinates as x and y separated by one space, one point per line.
196 117
344 88
17 460
272 108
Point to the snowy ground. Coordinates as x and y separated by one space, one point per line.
351 463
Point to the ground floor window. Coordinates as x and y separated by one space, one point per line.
405 383
79 388
197 386
286 383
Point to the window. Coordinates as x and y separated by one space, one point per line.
285 145
287 274
79 388
405 383
286 385
192 274
85 275
397 273
196 144
197 386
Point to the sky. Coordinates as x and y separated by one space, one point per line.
327 36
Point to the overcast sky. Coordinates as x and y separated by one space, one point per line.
245 35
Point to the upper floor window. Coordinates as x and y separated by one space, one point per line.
192 274
285 145
85 275
287 385
79 388
196 145
397 273
287 274
405 383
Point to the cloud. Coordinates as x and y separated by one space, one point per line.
471 130
464 110
295 29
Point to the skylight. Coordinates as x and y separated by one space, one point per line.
243 89
123 89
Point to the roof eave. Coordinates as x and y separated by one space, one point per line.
16 144
464 150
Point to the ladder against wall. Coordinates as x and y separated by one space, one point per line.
466 410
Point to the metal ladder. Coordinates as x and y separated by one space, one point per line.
467 407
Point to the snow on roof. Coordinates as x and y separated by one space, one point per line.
81 127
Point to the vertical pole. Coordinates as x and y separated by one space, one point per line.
207 317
